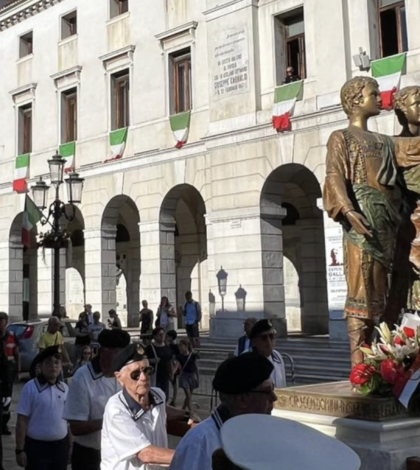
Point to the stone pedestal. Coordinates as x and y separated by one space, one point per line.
383 440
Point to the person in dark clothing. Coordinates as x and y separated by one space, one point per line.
82 334
160 357
3 381
188 378
146 322
291 76
171 342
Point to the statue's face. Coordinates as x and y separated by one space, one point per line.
370 105
412 111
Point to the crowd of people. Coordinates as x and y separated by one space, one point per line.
116 411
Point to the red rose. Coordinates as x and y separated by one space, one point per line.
409 332
361 374
398 340
390 371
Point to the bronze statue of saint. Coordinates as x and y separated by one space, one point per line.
361 193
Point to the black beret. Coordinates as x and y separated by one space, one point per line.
114 338
132 353
261 327
242 374
45 354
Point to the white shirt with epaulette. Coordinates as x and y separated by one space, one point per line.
128 429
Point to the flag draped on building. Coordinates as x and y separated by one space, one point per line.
117 140
31 216
180 125
68 152
285 98
21 173
388 74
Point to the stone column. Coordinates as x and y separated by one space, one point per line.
11 278
413 20
249 247
100 273
46 280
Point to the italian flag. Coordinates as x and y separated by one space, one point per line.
388 74
180 125
117 140
68 151
31 216
21 173
285 98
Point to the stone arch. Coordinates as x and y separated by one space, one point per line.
184 246
292 226
22 273
121 240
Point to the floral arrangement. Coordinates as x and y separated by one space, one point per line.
392 362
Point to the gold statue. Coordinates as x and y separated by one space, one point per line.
360 192
406 280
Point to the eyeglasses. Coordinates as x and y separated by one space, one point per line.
264 392
270 336
147 371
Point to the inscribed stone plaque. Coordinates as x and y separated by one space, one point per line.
230 64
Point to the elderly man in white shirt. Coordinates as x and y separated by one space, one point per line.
134 430
244 386
263 340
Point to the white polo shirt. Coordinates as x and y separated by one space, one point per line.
89 393
278 376
128 429
43 404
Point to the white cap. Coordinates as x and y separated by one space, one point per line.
263 442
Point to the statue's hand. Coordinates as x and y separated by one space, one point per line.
359 223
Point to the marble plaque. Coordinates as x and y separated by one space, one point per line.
230 63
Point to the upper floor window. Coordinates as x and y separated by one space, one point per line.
392 27
117 7
26 44
69 25
69 116
120 100
181 82
290 46
25 129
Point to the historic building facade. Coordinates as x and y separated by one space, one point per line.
162 220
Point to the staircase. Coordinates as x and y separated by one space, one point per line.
316 359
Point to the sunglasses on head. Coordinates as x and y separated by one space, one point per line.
147 371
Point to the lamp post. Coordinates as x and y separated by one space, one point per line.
56 238
222 276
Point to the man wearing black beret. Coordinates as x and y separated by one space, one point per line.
134 428
90 390
42 439
263 340
244 386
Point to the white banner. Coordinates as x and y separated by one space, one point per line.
336 281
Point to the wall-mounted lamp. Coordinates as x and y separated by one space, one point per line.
362 60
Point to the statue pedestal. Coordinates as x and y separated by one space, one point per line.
378 429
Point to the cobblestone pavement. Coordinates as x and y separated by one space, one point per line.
9 462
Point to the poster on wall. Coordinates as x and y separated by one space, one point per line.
336 281
229 64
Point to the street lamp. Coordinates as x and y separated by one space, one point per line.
222 276
57 238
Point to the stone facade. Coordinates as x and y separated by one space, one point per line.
172 217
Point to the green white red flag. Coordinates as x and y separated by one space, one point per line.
68 152
180 125
387 73
21 173
285 98
117 141
31 216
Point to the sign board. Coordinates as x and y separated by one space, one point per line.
336 280
230 63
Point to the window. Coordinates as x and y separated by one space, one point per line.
26 45
25 129
392 27
181 82
117 7
69 25
120 100
69 116
290 44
